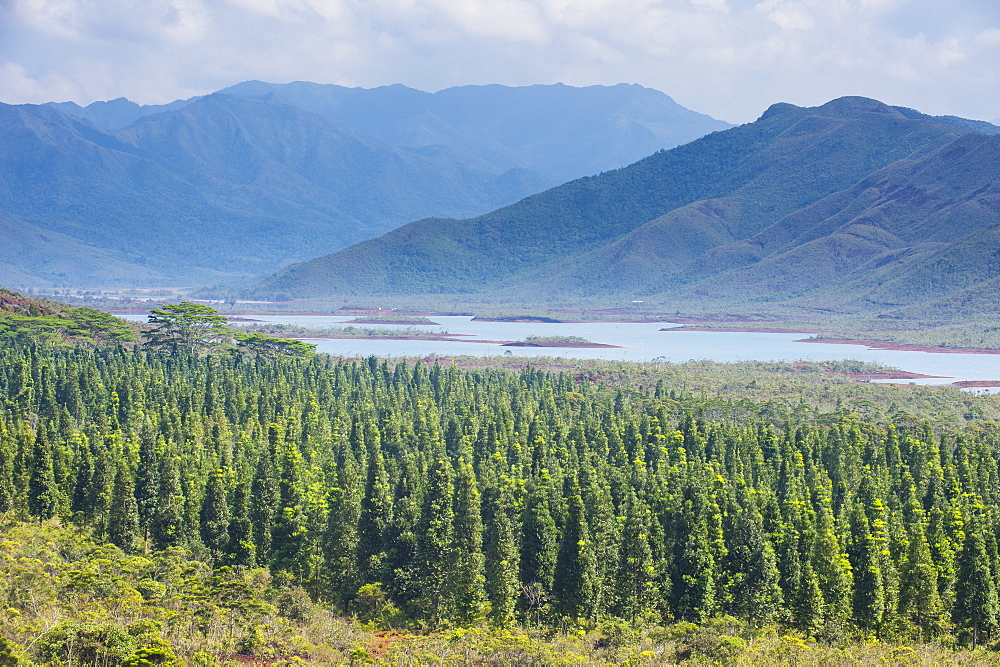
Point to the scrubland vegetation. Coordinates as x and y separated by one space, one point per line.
174 504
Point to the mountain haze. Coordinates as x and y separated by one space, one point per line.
853 204
832 204
560 131
257 176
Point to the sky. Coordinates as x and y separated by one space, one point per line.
728 58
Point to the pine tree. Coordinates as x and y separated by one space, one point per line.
436 545
240 546
869 598
79 500
468 582
809 603
574 585
99 490
263 506
123 517
919 601
694 569
401 569
604 532
975 611
340 542
43 493
376 514
166 527
538 538
635 578
8 492
147 480
752 569
290 534
830 563
215 516
501 566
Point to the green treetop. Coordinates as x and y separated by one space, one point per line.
186 324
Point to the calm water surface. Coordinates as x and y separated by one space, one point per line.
641 342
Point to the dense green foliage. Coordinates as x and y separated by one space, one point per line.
896 219
435 496
24 320
636 230
550 340
342 331
242 181
70 600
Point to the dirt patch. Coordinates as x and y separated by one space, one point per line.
382 640
976 383
903 347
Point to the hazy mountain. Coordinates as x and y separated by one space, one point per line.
557 130
118 113
853 202
254 177
223 186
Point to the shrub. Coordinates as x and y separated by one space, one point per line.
85 643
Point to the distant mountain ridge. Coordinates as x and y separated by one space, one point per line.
245 180
854 204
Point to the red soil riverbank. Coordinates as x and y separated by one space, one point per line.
903 347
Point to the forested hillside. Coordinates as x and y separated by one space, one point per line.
425 496
251 178
848 206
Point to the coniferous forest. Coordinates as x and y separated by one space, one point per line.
165 506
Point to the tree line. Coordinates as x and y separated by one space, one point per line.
428 494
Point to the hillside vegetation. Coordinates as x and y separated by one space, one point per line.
617 512
853 206
251 178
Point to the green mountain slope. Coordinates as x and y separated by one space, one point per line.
260 175
556 130
918 230
225 184
644 228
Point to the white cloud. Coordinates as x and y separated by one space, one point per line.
730 58
989 38
19 85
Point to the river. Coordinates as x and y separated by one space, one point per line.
641 342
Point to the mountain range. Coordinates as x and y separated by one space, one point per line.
853 205
256 176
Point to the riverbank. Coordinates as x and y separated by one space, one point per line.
458 338
900 347
573 344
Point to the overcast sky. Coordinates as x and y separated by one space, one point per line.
727 58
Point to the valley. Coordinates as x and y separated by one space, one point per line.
497 375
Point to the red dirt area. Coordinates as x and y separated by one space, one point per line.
875 375
905 347
383 639
256 660
976 383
